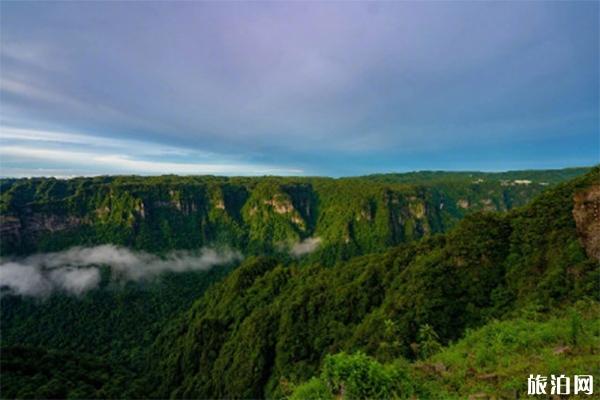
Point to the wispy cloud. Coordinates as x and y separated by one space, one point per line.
76 270
305 246
299 86
118 156
31 280
13 134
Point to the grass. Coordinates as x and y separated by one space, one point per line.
491 362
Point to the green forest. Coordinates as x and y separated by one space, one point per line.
422 285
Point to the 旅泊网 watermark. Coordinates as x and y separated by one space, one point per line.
560 384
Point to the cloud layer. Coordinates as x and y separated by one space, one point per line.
298 87
76 270
305 246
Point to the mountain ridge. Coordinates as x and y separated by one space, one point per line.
348 216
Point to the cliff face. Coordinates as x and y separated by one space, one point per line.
255 215
586 212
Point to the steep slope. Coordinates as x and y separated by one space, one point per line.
256 215
491 362
34 373
117 321
267 327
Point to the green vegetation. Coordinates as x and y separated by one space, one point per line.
259 216
29 372
268 326
444 177
494 360
117 321
426 311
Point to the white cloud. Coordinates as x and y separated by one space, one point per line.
14 134
24 280
75 280
306 246
107 161
75 270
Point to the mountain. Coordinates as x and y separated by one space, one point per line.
268 327
343 217
277 325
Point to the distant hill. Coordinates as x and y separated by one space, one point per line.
551 176
338 217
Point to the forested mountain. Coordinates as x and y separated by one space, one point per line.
117 321
508 178
471 292
268 327
343 217
36 373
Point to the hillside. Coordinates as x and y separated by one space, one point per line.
117 321
340 217
268 327
34 373
490 362
120 321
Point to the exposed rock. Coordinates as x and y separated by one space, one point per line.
586 212
488 205
32 225
187 207
141 210
176 204
102 211
298 221
10 227
38 222
280 206
364 214
417 210
462 203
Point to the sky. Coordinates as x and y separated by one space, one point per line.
296 88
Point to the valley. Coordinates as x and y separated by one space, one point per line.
388 273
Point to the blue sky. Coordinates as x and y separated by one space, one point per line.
297 88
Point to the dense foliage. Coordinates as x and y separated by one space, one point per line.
117 321
29 372
426 318
492 361
260 216
269 326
